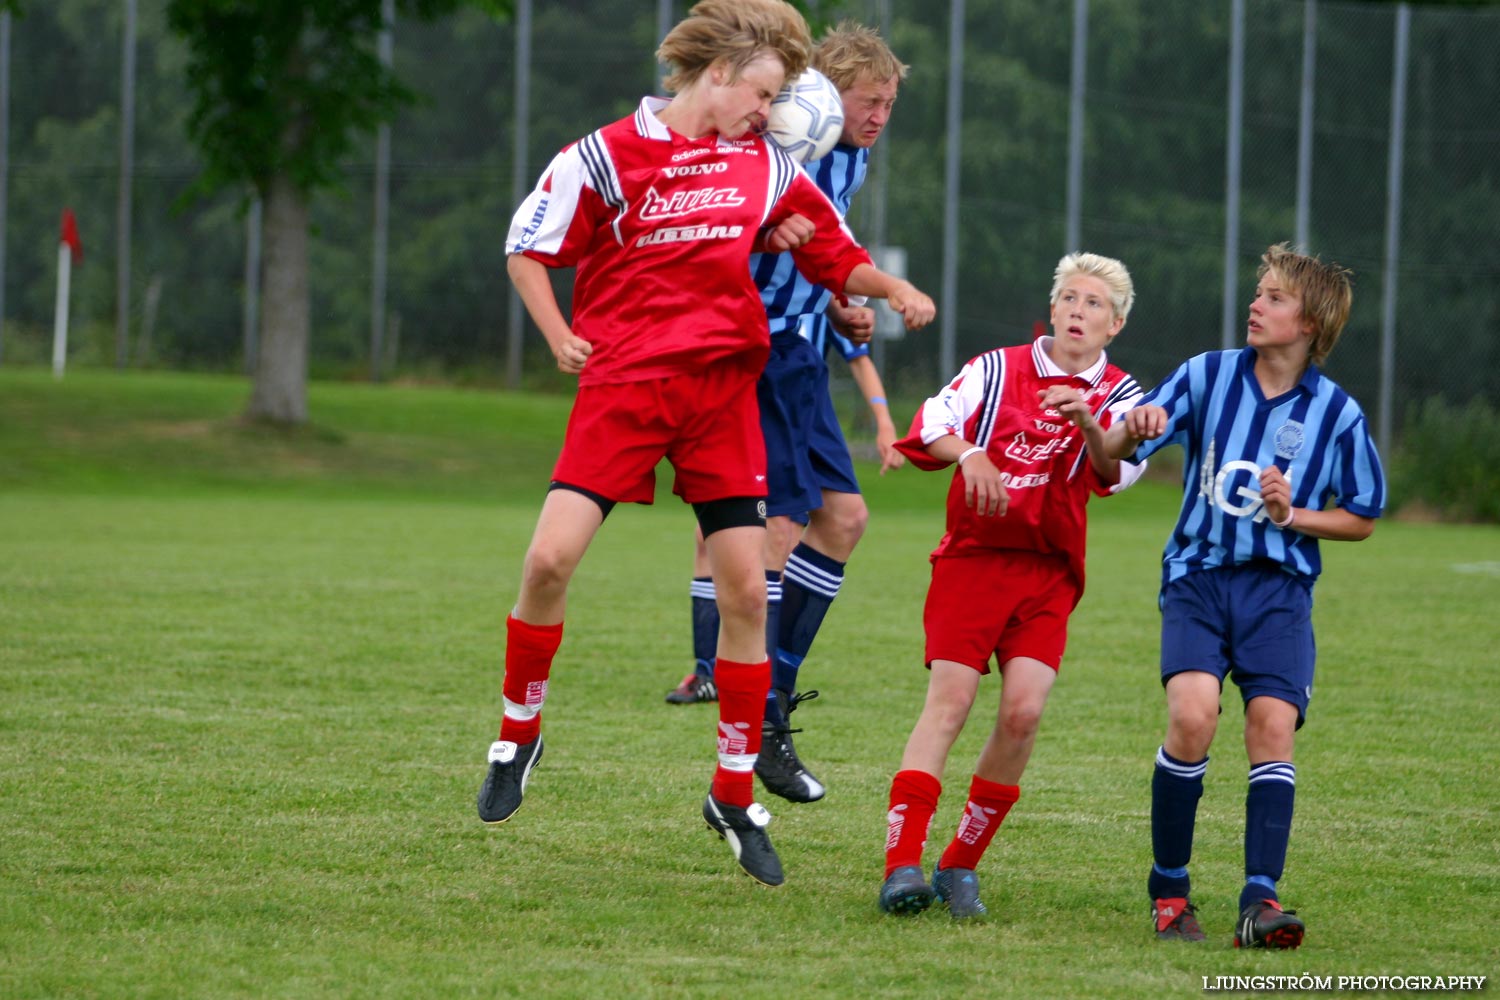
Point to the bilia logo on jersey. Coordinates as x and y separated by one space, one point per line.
682 202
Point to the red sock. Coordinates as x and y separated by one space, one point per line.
742 707
529 650
988 803
914 798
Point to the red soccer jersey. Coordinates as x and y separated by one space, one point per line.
660 229
1040 453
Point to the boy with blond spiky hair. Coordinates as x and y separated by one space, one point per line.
1024 427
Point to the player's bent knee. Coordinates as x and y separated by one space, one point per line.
548 566
730 512
743 605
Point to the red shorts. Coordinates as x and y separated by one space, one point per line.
707 424
1004 603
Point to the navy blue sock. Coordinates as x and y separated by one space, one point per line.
810 583
705 625
1268 827
773 627
1176 787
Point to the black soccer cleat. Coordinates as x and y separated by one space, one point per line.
959 888
1176 920
745 830
1266 925
778 766
694 689
905 892
505 782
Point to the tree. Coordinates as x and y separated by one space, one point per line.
281 91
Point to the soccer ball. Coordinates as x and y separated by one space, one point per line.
807 117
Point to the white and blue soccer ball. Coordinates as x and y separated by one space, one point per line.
807 117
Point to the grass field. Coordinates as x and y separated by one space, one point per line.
247 681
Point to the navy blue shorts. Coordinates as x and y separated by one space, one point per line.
805 448
1252 623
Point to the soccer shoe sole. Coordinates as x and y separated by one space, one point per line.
800 788
525 777
907 899
771 879
1282 938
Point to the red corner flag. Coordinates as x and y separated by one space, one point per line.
70 235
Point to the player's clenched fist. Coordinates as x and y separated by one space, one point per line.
1067 401
854 323
915 307
1145 423
571 353
984 486
791 233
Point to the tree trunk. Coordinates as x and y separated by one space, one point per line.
280 392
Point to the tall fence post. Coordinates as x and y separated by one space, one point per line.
4 158
1234 141
1073 232
948 339
1393 228
879 203
127 182
1305 124
380 237
519 178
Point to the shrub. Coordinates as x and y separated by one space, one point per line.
1448 461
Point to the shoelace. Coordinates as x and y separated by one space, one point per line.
798 699
785 728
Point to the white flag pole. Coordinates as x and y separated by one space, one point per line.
60 325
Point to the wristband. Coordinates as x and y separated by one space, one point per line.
877 399
1291 515
976 450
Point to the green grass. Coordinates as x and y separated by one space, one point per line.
247 681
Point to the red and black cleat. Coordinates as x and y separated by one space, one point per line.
1266 925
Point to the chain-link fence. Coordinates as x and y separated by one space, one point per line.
1153 161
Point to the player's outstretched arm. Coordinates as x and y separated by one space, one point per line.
915 306
1140 423
870 386
535 287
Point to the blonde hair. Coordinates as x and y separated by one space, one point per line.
736 32
851 51
1106 269
1324 289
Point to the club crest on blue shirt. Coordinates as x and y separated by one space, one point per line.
1289 439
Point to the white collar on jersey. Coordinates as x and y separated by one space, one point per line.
1047 368
649 126
646 121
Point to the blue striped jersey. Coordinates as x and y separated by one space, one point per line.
1315 433
786 294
